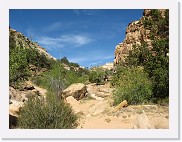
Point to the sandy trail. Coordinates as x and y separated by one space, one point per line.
126 118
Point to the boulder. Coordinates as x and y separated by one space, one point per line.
77 90
74 104
14 94
98 108
14 107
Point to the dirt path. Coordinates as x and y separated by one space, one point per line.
95 112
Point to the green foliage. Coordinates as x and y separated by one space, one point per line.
155 60
74 64
19 60
50 113
97 76
38 59
132 84
58 78
64 60
18 65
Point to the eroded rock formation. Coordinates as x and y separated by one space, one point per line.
135 35
18 39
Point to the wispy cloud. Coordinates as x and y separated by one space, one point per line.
54 26
93 58
57 26
71 40
30 33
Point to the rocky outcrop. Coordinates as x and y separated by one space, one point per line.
18 39
77 90
135 35
108 66
17 99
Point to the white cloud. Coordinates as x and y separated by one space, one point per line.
71 40
53 27
30 33
91 56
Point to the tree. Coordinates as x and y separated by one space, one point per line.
18 66
64 60
155 60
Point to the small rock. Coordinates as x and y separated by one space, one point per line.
143 121
121 105
108 120
29 87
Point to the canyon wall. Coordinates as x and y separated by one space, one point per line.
135 35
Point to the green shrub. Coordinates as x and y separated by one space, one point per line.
97 76
133 85
156 60
19 60
18 65
58 78
51 113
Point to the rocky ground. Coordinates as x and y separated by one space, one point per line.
96 112
94 106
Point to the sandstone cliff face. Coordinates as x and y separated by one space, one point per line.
135 34
18 39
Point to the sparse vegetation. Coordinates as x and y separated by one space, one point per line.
18 66
97 75
133 85
49 113
156 60
58 78
141 78
20 61
155 63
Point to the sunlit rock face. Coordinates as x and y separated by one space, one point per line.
17 39
135 35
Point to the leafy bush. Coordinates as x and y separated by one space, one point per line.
19 60
58 78
51 113
64 60
133 85
38 59
155 60
18 65
97 76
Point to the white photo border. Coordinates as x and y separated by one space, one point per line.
171 133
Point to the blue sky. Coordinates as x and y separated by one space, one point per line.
87 37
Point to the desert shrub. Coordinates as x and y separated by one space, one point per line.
38 59
18 65
97 76
133 85
49 113
19 60
58 78
156 60
64 60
